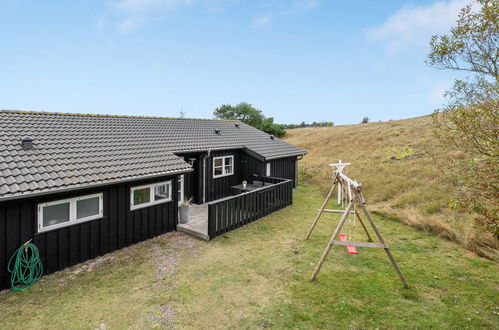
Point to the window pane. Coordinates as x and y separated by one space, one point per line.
228 169
55 214
161 192
219 162
228 161
87 207
141 196
218 171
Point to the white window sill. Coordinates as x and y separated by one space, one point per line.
70 223
141 206
222 175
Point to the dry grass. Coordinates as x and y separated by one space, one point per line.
258 277
131 288
399 164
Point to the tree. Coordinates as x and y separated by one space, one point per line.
469 123
246 113
365 120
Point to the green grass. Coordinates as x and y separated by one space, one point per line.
258 276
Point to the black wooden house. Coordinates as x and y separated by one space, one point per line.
83 185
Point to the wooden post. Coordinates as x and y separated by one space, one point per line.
380 237
339 194
335 182
333 238
363 226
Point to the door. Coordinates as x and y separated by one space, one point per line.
181 195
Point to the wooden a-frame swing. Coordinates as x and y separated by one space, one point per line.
352 192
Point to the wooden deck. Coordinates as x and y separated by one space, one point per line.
197 225
222 215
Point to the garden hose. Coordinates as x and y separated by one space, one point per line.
25 266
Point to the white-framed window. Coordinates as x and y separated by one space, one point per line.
267 169
150 194
223 166
67 212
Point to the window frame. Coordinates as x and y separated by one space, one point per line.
224 173
151 187
73 220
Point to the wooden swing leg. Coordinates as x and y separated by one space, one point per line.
328 197
364 226
333 238
378 234
397 269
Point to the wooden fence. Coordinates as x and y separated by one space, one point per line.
232 212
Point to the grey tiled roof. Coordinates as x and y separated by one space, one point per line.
73 150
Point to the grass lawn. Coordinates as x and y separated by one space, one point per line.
258 276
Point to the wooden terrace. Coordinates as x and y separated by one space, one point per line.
209 220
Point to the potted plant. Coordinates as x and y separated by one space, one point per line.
183 210
244 184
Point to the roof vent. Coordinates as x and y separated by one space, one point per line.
27 143
217 131
272 137
237 125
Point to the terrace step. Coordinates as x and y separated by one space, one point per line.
192 232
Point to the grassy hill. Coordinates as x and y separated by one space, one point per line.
399 163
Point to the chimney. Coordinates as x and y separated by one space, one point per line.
27 143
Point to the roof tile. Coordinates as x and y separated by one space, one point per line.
72 150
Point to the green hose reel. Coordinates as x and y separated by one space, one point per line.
25 266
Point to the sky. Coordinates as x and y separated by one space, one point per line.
296 60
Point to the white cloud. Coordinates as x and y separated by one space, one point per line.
128 24
262 20
304 5
135 12
413 26
100 23
147 5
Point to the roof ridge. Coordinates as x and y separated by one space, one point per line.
74 114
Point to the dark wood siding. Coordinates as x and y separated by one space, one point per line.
221 187
252 167
284 168
61 248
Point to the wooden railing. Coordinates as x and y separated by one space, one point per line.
232 212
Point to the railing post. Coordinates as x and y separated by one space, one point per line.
211 222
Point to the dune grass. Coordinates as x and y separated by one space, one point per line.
399 163
258 277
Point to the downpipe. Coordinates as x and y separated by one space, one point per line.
204 175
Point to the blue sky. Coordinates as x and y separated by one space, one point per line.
296 60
